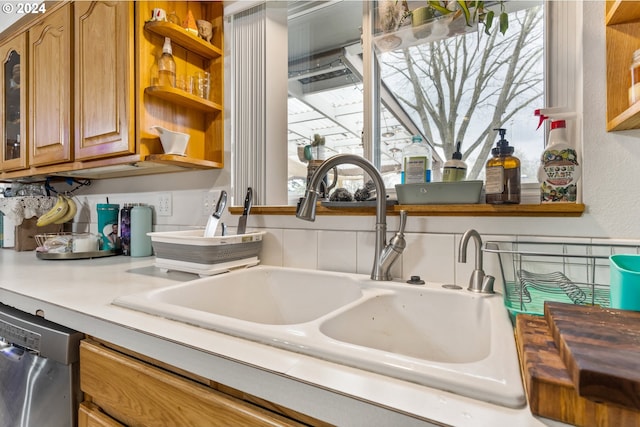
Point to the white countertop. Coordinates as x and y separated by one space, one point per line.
78 294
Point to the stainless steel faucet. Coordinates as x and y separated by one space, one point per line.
385 255
479 282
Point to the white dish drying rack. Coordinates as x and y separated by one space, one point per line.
191 252
574 273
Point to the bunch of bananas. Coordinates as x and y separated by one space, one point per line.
63 211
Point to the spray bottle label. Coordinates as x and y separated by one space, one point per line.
558 174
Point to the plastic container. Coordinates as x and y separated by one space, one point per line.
82 243
108 226
140 244
190 251
625 281
502 174
440 193
192 246
416 162
455 169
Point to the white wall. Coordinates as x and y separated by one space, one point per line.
611 173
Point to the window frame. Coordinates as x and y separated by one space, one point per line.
563 79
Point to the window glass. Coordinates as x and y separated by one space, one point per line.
457 88
325 107
462 86
12 106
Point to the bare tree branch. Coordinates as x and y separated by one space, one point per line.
451 81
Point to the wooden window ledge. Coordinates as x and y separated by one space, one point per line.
541 210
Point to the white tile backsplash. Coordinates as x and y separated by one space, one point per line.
429 256
335 242
364 257
273 248
300 248
337 251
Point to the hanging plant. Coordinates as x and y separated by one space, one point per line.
391 14
474 11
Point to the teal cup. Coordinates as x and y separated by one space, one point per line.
108 226
624 286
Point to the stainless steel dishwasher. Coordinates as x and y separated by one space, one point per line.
39 371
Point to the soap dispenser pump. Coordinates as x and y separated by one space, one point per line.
502 174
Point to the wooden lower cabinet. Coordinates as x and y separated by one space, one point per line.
90 415
121 388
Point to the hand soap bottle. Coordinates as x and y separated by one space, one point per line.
416 162
502 174
455 169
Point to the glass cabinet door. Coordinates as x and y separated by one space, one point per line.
13 104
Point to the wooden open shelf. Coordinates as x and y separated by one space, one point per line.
622 11
180 36
185 99
622 39
183 161
178 109
542 210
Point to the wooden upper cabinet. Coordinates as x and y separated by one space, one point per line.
50 59
622 40
174 108
104 96
13 104
88 98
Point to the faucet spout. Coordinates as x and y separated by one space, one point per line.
479 282
307 209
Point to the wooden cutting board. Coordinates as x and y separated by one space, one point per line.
549 387
600 348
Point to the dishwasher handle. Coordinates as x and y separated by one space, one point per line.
11 352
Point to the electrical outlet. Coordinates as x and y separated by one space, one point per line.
208 202
164 204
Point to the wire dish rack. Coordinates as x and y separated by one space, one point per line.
574 273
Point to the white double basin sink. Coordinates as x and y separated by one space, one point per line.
448 339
